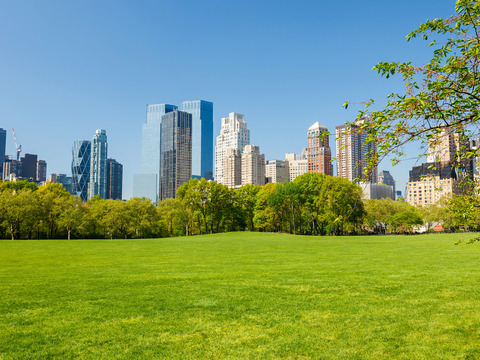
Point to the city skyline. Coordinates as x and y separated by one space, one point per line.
293 66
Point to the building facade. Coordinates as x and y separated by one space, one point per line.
232 168
12 169
81 153
176 152
29 166
384 177
233 135
353 153
297 164
202 137
66 182
447 146
41 174
318 150
3 147
253 166
429 182
114 179
147 184
377 191
98 165
276 171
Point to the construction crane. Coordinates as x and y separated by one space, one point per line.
19 148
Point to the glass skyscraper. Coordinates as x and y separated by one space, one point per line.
3 144
81 152
114 179
202 137
98 165
147 184
176 152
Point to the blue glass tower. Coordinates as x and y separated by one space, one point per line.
81 151
3 142
202 137
147 184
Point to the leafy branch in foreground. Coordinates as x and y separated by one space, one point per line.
443 94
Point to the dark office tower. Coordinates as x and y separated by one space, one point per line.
41 170
29 166
176 152
114 179
81 152
3 144
202 137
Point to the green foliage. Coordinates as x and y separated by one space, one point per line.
444 93
404 222
313 204
465 211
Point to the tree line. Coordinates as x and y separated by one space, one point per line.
312 204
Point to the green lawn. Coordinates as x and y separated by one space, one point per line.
241 296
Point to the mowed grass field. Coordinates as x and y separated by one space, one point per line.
241 296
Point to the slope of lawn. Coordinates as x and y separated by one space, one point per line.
241 296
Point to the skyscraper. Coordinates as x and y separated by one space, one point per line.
29 166
447 147
98 165
319 154
232 168
114 179
202 137
233 135
353 153
384 177
175 153
11 168
41 170
297 164
3 145
147 184
253 166
276 171
81 152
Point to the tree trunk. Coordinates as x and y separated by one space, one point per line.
68 232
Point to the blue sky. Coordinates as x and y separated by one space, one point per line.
68 68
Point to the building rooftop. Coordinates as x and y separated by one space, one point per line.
317 125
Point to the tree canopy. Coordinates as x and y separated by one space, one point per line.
443 93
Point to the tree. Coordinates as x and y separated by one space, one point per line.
442 94
246 197
71 215
380 211
405 221
20 211
142 216
52 197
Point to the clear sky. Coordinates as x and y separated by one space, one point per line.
68 68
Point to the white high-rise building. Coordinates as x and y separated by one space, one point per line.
297 164
232 168
233 135
253 166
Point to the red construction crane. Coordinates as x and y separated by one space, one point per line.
19 148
